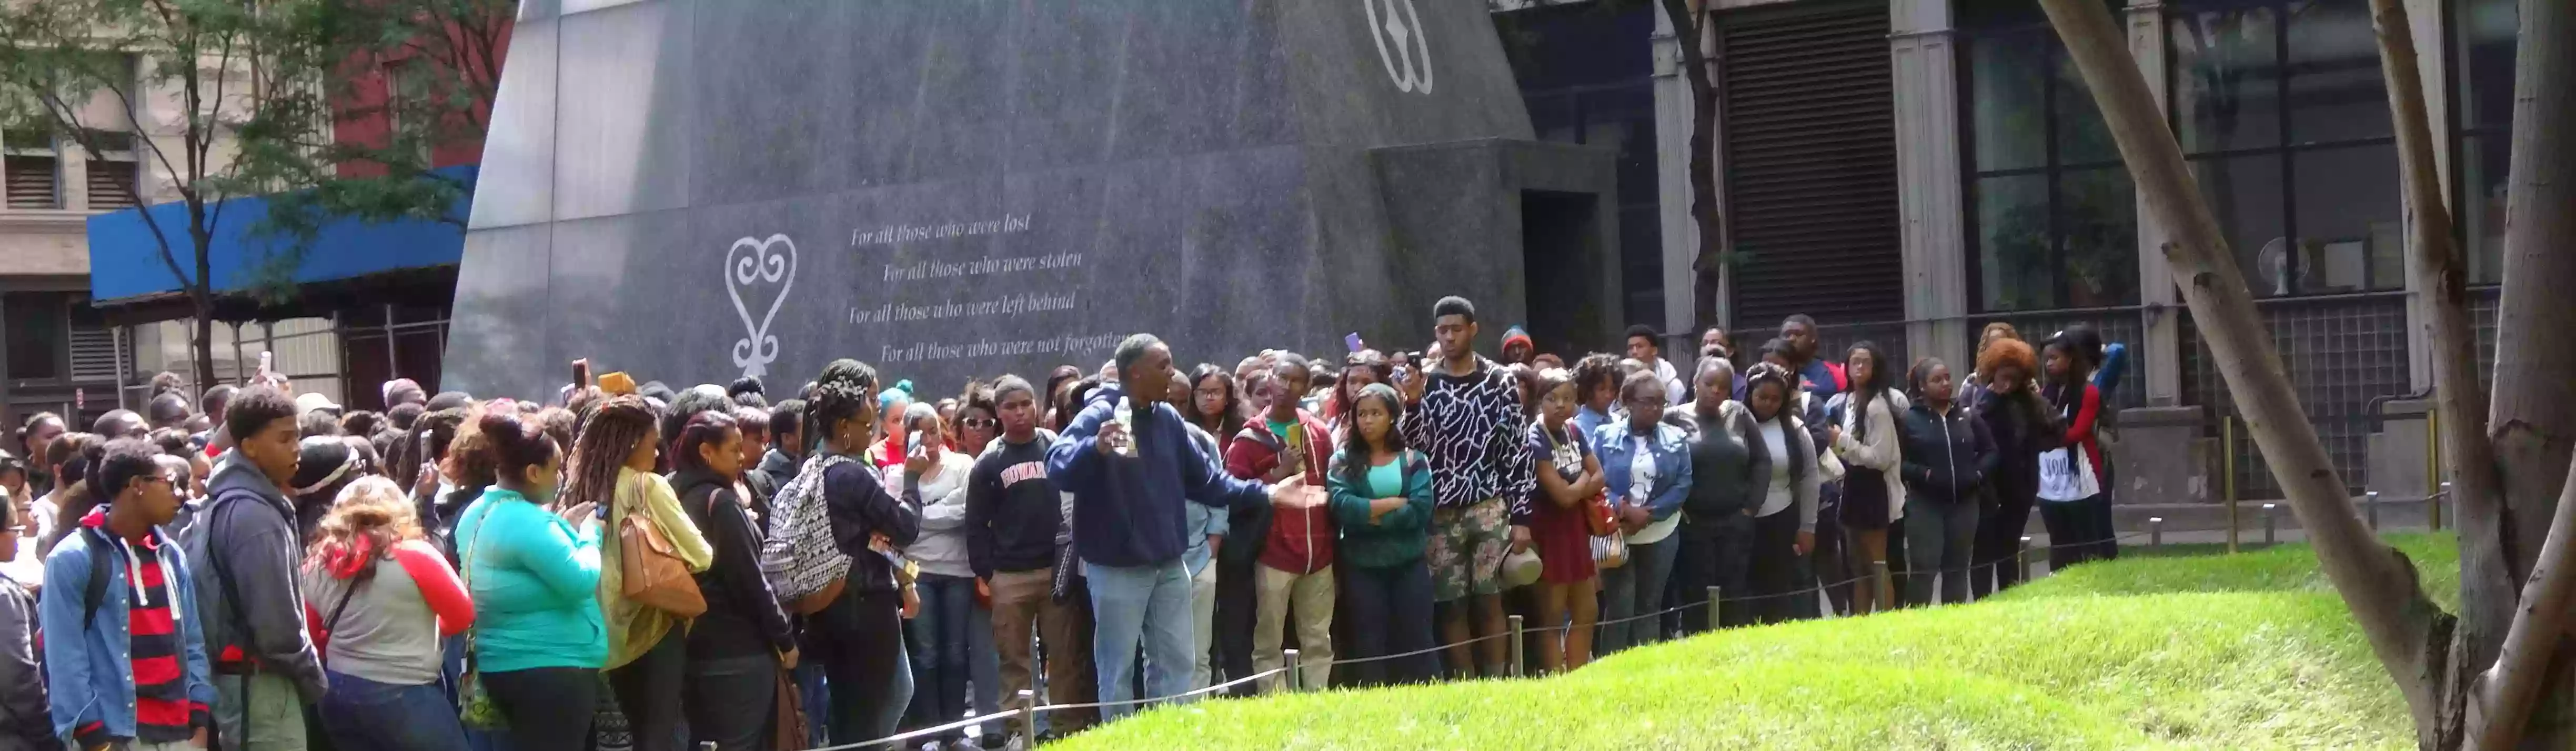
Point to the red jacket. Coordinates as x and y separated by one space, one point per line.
1300 541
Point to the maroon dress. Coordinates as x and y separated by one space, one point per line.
1563 541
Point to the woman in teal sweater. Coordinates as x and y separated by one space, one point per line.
1381 501
538 638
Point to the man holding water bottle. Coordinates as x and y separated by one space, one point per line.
1130 464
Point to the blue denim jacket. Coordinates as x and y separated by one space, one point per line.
89 679
1617 449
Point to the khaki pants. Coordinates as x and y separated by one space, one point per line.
272 718
1203 623
1311 597
1023 603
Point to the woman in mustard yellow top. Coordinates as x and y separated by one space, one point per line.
612 465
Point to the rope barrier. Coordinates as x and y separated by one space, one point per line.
1702 604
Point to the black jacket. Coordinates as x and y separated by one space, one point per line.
742 617
24 714
2021 429
1947 456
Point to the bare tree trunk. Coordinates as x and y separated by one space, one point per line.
1706 265
2488 577
2406 630
2534 419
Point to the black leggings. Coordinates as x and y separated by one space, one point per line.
1774 571
1995 566
547 708
648 692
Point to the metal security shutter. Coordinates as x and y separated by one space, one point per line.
31 182
1810 137
94 355
111 184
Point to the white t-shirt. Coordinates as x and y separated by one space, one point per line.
1778 497
1641 491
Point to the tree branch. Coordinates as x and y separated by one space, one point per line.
2405 629
2487 571
2533 423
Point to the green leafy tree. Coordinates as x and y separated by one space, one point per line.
222 99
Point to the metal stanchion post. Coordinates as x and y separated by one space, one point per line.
2433 465
1518 654
2155 531
2227 475
2370 509
2438 500
1288 659
1713 622
1028 716
2270 532
2021 558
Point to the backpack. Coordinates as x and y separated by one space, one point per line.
800 558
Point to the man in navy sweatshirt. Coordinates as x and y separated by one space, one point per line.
1129 482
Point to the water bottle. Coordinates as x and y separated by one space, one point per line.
1126 417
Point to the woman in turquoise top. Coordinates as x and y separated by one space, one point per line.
1381 501
538 638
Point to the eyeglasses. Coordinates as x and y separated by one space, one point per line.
979 423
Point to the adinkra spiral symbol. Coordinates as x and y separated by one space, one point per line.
1400 41
753 264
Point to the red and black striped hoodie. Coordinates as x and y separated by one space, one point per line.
162 711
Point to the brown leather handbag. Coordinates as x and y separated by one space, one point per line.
654 575
787 729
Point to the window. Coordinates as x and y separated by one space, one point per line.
2280 106
112 174
2483 34
2052 215
30 168
39 325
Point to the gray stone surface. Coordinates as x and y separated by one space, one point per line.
2161 457
696 189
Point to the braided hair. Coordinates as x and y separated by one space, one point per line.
846 390
615 427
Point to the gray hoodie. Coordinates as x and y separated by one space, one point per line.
247 534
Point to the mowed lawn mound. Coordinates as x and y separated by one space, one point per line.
2245 651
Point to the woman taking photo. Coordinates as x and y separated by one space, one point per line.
1784 527
1869 444
737 647
941 634
861 631
1381 499
538 638
1948 456
387 598
1647 465
612 463
2021 428
1556 523
1729 471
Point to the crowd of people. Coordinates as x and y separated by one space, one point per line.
625 565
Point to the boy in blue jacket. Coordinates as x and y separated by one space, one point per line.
124 661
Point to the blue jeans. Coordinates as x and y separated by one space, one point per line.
364 714
947 654
1635 589
1147 604
818 701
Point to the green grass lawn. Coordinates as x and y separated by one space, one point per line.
2245 651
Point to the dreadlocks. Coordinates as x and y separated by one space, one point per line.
615 427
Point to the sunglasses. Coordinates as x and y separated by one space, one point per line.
979 422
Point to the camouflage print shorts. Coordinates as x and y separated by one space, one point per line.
1466 549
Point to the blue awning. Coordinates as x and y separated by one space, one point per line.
125 261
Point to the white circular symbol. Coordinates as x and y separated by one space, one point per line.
757 262
1400 41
